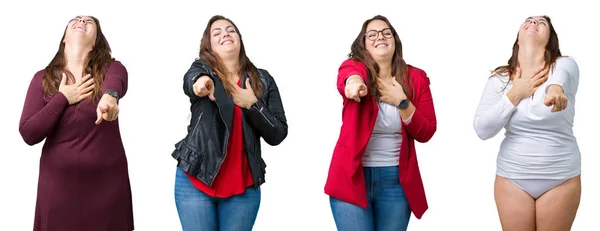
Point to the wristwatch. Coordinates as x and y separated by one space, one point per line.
403 104
113 94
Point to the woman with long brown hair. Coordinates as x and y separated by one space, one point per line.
233 104
73 105
537 185
374 181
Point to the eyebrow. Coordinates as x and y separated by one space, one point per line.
87 19
220 28
541 19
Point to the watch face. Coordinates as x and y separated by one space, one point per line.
112 93
403 104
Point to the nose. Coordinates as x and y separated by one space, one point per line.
534 22
380 36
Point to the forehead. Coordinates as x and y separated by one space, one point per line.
220 24
377 25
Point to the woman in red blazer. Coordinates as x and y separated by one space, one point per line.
374 181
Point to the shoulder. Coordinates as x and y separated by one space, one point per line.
200 63
39 75
353 63
417 75
265 77
116 66
567 63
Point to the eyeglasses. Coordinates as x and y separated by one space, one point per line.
372 34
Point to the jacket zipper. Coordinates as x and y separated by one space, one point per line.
198 121
224 145
264 116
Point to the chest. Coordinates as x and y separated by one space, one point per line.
81 115
388 119
532 111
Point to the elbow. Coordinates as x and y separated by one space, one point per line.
482 133
29 140
426 136
278 137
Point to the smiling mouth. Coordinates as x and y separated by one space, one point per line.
226 41
381 44
81 28
531 28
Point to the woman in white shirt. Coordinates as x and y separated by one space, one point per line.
538 182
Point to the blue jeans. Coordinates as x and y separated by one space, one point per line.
200 212
387 208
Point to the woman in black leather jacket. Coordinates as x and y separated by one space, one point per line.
233 105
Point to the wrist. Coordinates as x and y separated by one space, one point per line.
513 98
112 94
249 106
400 99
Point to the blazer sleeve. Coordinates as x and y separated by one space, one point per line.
268 116
39 117
423 122
347 69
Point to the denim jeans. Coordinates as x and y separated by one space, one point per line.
200 212
387 208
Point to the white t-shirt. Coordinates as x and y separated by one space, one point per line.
538 143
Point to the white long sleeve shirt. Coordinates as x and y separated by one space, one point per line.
538 143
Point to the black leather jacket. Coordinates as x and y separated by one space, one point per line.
203 150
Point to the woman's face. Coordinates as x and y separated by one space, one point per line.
81 29
379 40
224 39
535 29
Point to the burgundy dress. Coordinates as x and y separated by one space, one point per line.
83 178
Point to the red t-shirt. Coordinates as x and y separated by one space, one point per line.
234 176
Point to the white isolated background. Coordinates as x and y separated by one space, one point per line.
301 44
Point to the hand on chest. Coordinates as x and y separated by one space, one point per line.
533 108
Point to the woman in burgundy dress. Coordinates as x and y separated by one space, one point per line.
73 104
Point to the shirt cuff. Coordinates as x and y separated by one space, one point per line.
346 82
407 121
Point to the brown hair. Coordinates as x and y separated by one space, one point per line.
550 55
213 60
97 61
399 66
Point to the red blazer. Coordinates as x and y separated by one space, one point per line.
346 178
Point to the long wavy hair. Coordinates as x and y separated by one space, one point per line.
96 63
399 66
215 62
550 55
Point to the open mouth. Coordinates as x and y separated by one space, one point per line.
531 28
381 45
80 28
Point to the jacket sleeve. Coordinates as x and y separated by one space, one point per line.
198 68
423 123
494 110
268 116
116 79
39 118
347 69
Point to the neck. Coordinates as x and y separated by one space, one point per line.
76 56
385 69
231 65
531 57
